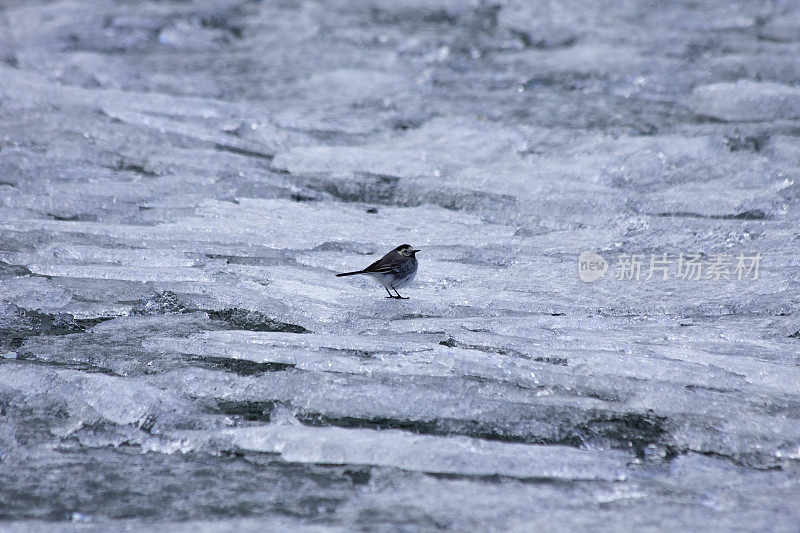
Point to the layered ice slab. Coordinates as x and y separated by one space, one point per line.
418 453
747 101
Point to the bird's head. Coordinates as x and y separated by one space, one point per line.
406 250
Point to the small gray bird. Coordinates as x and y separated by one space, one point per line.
394 270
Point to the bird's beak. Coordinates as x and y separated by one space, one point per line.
415 251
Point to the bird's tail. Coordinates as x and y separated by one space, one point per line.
351 273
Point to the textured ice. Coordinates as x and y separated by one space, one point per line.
746 101
456 455
439 147
180 181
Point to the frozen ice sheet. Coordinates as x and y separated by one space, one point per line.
179 183
452 455
747 101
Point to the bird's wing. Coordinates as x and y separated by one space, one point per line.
387 263
384 270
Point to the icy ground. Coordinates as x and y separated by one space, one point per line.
179 181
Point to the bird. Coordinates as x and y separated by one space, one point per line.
394 270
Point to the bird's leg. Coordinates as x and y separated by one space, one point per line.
398 295
390 294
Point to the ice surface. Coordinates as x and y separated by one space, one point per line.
454 455
746 101
180 181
